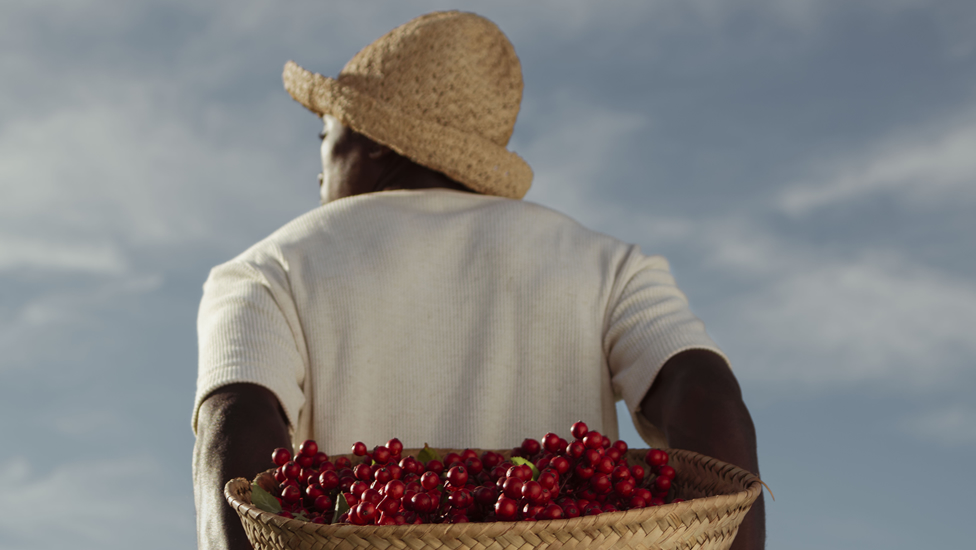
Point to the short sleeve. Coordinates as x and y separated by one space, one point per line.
248 331
649 322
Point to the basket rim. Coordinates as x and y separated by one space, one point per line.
752 483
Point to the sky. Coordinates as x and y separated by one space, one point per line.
807 167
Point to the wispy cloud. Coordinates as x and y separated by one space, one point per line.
795 313
59 314
929 166
572 160
103 504
879 319
91 257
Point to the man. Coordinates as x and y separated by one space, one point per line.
425 301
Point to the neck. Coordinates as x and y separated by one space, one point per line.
403 173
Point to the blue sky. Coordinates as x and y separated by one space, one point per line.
808 167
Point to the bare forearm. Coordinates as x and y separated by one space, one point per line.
237 429
697 403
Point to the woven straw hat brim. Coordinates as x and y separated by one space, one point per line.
470 159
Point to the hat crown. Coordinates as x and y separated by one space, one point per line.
457 69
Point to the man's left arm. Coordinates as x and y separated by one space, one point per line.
697 403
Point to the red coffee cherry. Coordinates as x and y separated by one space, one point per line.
532 491
638 472
363 472
560 464
291 470
366 511
371 495
552 511
461 499
358 449
530 446
656 457
579 430
600 483
593 440
395 489
484 495
605 465
474 466
550 442
636 502
411 465
530 511
383 475
621 472
313 491
575 449
395 446
548 479
662 483
592 509
281 456
382 455
435 466
328 480
388 505
513 487
450 459
291 494
308 448
584 472
323 503
358 488
506 509
571 510
458 476
490 459
430 480
624 488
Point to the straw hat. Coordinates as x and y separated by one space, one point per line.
442 90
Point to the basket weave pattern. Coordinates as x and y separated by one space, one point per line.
722 495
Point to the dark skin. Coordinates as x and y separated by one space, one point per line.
695 399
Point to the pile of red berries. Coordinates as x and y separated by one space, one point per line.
551 479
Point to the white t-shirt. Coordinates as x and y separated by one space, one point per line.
442 317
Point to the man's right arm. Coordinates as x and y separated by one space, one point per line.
239 426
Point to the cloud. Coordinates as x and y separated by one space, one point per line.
103 504
810 317
67 313
950 426
571 160
923 168
790 311
18 252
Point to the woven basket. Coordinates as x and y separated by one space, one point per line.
717 496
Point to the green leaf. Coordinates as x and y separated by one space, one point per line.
519 460
301 516
427 454
341 507
264 500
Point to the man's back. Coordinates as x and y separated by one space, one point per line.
443 317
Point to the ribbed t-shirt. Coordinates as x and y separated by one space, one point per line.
442 317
